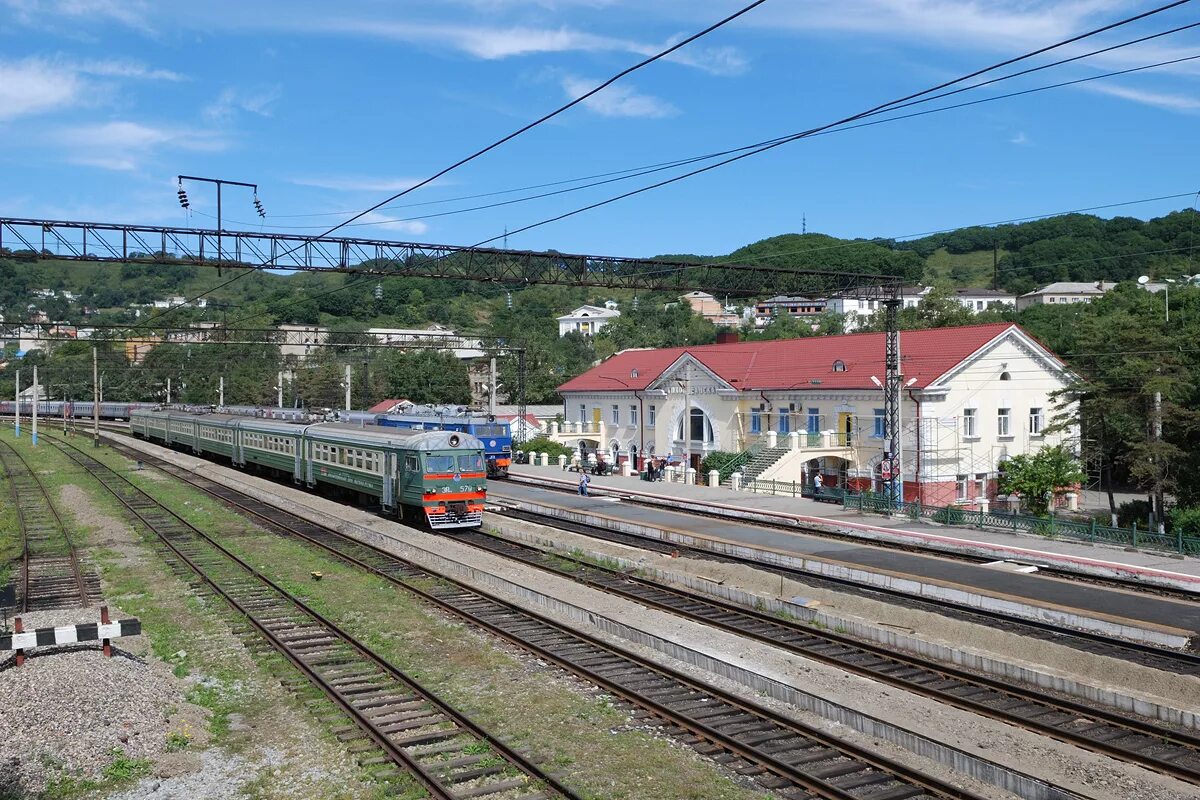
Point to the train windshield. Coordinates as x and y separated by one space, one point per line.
470 463
490 430
439 464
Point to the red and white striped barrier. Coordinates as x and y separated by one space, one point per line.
21 639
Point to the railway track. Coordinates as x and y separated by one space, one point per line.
50 575
787 757
452 757
1129 739
1181 662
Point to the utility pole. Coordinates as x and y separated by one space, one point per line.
221 392
95 401
17 406
279 391
168 391
35 405
492 389
183 201
347 387
1158 476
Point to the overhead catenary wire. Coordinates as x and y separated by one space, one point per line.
874 110
634 172
518 132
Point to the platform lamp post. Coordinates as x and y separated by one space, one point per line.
641 436
185 203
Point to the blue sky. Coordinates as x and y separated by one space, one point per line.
332 107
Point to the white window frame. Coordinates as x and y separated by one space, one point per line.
1037 421
633 414
970 423
651 415
980 484
1003 422
960 487
616 413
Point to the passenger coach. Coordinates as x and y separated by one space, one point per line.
437 478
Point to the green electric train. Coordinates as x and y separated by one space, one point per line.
436 478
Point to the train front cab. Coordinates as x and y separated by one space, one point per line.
443 487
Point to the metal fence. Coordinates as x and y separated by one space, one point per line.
1050 527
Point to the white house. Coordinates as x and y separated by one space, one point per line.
298 341
973 396
1065 292
588 320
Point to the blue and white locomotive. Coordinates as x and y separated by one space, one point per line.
495 435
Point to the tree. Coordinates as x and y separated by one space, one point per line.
426 376
1037 478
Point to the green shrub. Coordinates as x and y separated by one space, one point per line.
543 445
1185 520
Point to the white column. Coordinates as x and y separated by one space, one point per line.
35 405
714 477
794 441
544 459
772 438
562 461
735 481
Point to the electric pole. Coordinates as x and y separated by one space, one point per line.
17 407
168 391
1158 466
221 392
279 391
347 387
492 389
35 405
95 401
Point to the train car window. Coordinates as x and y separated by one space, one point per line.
439 464
411 464
470 463
489 430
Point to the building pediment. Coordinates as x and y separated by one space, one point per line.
689 369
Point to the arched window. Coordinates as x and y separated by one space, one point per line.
700 429
1004 376
839 366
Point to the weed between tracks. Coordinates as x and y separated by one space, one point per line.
250 716
577 732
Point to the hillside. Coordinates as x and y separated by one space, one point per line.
1071 247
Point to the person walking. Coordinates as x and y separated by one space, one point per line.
584 480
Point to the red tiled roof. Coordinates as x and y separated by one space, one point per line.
385 406
797 363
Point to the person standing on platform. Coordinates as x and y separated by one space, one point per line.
583 483
817 483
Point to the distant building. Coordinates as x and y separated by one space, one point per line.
298 341
393 406
808 309
588 320
136 350
1065 292
705 305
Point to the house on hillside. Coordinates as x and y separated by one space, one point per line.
705 305
973 397
588 320
1065 292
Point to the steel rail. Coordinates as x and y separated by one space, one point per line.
1179 661
475 605
437 787
881 664
9 456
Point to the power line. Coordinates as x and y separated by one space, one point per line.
635 172
783 140
529 126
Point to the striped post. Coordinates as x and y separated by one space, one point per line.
105 621
18 627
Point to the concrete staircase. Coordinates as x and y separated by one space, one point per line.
759 463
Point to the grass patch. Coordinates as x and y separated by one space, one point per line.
119 772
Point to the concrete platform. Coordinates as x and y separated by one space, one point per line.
1143 566
1115 612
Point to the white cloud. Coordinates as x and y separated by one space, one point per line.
257 100
374 218
35 87
1019 138
1163 100
123 145
618 100
43 13
358 184
40 85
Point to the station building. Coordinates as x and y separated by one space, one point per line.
972 397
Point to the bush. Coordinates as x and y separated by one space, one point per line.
541 444
718 460
1133 511
950 516
1185 520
